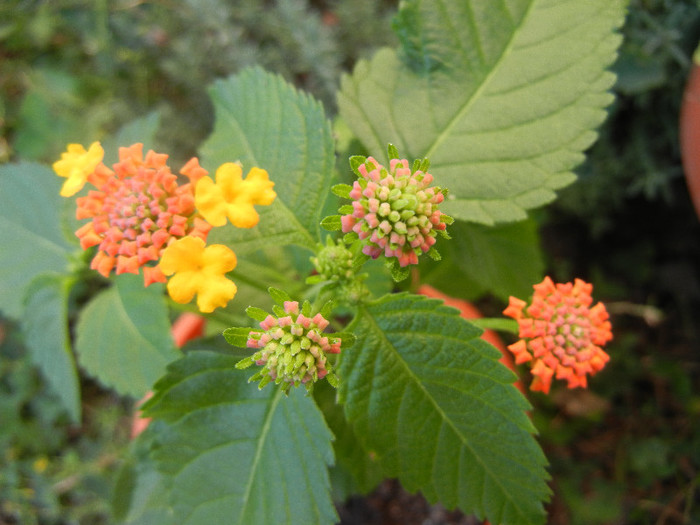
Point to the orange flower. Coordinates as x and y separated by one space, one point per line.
136 211
561 334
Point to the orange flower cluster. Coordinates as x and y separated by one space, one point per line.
561 334
143 218
137 210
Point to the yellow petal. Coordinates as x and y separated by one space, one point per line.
183 255
242 215
76 164
183 286
228 178
210 202
260 185
218 259
72 186
215 292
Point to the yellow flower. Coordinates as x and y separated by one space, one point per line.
233 197
199 270
77 165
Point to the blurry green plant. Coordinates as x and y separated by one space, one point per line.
50 472
111 62
638 154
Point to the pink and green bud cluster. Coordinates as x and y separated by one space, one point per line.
394 212
291 348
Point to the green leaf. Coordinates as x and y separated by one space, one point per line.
46 331
123 336
392 152
30 231
141 130
355 471
54 112
140 491
355 162
238 336
503 260
348 339
502 97
398 273
238 455
331 223
279 266
255 313
342 190
263 121
428 396
496 323
279 296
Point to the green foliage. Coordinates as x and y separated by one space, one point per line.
503 260
483 91
638 157
46 118
140 492
263 121
122 336
51 471
127 59
142 130
431 400
264 454
30 230
356 470
48 340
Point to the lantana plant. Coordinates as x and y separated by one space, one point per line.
322 372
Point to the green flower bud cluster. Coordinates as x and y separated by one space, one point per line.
291 348
334 262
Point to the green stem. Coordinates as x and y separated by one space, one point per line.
496 323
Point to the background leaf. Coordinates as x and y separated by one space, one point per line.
141 492
431 400
503 260
263 121
235 454
54 112
46 333
355 471
141 130
502 97
30 230
123 336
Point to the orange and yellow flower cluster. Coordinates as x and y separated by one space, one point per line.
561 335
143 219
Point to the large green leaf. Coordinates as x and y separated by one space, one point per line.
430 398
263 121
140 495
503 96
355 470
123 336
46 331
504 260
234 454
30 231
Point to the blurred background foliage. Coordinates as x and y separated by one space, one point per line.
625 451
